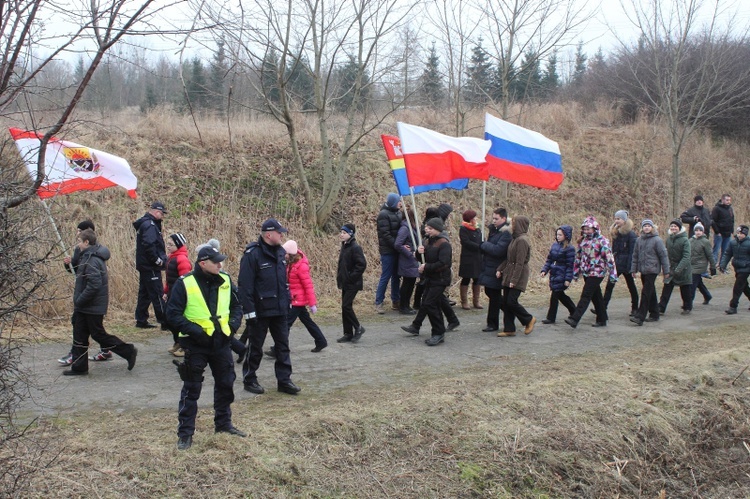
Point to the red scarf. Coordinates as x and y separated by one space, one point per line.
469 225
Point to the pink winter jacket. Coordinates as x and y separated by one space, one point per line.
300 283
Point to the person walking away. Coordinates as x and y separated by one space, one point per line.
90 303
178 264
470 263
738 253
701 257
514 272
206 311
722 222
264 294
303 294
70 263
494 251
680 274
649 259
150 257
408 267
623 244
389 221
436 270
559 267
594 261
696 214
352 265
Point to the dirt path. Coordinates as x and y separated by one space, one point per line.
384 355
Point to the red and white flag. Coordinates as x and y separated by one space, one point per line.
71 167
434 158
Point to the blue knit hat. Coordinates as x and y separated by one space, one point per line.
392 200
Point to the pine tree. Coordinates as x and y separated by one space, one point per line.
347 79
550 79
432 90
527 83
218 72
268 77
580 67
300 85
479 85
196 85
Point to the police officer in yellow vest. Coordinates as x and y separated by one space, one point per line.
204 307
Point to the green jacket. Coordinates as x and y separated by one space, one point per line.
678 251
701 255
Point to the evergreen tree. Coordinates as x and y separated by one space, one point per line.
527 84
550 79
196 85
347 79
268 77
301 85
150 100
218 71
580 66
479 85
432 89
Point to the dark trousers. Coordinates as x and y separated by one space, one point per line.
257 335
513 310
686 293
465 281
309 323
150 292
407 288
698 285
591 293
222 369
559 297
432 304
348 318
445 308
92 325
631 287
494 307
649 306
740 287
418 292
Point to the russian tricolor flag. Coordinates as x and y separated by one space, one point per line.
434 158
522 156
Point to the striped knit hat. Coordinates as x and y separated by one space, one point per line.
178 239
647 221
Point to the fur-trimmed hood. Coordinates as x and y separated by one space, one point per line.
624 229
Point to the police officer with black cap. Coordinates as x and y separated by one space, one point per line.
204 307
150 257
264 293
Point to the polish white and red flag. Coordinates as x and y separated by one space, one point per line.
71 167
433 158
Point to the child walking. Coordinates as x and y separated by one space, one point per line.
559 267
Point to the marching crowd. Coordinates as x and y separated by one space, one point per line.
203 307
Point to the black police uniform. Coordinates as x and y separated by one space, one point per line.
150 258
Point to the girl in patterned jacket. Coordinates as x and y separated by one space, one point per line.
594 261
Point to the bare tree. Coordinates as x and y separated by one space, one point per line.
28 68
685 69
278 40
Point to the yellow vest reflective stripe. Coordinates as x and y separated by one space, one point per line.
196 309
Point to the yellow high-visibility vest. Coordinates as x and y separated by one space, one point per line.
196 309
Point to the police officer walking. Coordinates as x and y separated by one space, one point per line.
264 293
150 257
207 312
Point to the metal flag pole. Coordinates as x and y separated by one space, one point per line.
54 225
484 197
408 223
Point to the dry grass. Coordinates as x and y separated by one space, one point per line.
666 421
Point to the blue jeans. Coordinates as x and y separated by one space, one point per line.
388 272
722 242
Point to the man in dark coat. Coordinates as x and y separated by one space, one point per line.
722 222
696 214
352 265
494 251
738 253
150 257
203 306
264 293
389 221
90 302
436 270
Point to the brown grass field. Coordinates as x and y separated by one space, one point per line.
675 423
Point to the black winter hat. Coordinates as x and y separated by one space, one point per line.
697 198
349 229
86 224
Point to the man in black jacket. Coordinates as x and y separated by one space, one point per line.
351 267
696 214
90 302
150 257
389 221
204 307
436 271
264 294
494 252
722 222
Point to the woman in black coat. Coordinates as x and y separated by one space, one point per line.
470 264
